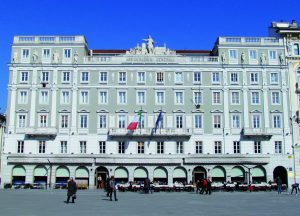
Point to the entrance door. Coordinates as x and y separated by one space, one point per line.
101 179
198 176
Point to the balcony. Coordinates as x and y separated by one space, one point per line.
146 134
264 133
41 132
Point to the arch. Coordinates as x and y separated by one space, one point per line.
258 174
160 174
18 175
218 174
179 175
140 174
40 174
81 172
281 172
101 176
62 175
121 174
199 173
237 174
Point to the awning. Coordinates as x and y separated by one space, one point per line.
160 173
217 173
237 172
140 173
62 172
81 172
40 171
257 172
121 172
179 173
19 171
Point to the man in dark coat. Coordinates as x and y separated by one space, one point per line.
113 189
72 189
208 190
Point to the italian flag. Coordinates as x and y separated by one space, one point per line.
136 121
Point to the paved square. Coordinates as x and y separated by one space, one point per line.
94 202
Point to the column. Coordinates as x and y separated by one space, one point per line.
170 175
246 108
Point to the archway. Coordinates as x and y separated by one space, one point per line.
199 173
281 172
18 175
40 175
160 175
238 174
218 174
179 175
101 175
121 175
140 174
258 174
62 175
82 177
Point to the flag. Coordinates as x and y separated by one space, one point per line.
159 118
136 121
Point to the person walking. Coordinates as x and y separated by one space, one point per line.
208 190
295 187
107 186
279 185
198 186
112 185
204 185
72 189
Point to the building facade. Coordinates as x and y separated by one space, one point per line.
2 132
224 113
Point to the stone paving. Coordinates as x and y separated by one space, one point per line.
94 202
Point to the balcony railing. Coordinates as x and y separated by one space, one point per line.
250 40
47 131
257 132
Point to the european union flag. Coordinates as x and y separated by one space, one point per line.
159 118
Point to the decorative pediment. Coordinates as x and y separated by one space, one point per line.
43 111
178 111
197 111
235 111
102 111
255 111
22 111
121 111
216 111
143 111
64 111
83 111
158 111
275 111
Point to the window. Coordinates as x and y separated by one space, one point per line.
122 77
296 49
234 77
103 97
179 147
218 147
160 98
67 53
63 147
257 147
82 147
179 121
255 98
275 98
216 97
236 121
121 148
121 121
235 97
272 55
236 147
141 147
84 97
217 121
278 147
197 77
83 121
215 78
253 54
65 97
199 147
46 53
232 54
84 76
274 78
197 98
102 121
256 121
276 121
159 77
141 77
42 147
66 76
22 121
44 99
178 98
254 78
122 97
198 121
103 77
25 53
178 77
45 77
64 121
102 147
23 97
43 121
24 76
141 97
160 147
20 147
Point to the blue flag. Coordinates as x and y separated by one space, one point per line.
159 118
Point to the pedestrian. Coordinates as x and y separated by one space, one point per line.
98 182
204 185
295 187
113 189
279 185
208 191
72 189
198 186
107 186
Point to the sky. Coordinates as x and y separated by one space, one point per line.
121 24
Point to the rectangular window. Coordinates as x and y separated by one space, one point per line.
198 121
197 98
272 55
199 147
121 121
67 53
103 97
43 121
23 97
236 147
65 97
121 148
257 147
122 99
275 98
236 121
178 98
179 147
160 98
141 97
159 77
141 77
25 53
235 98
178 77
216 97
141 147
46 53
103 77
253 54
215 78
276 121
44 98
82 147
179 121
233 54
45 77
160 148
42 147
102 147
66 76
122 77
256 121
255 98
83 121
84 76
274 78
24 76
217 121
63 147
278 147
296 49
218 147
254 78
197 77
20 146
234 77
84 97
22 121
102 121
64 121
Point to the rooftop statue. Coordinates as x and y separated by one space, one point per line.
150 44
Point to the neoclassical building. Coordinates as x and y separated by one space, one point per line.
225 113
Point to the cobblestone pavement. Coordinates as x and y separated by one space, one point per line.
94 202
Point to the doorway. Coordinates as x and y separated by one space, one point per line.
101 176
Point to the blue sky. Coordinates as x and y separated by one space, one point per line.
120 24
